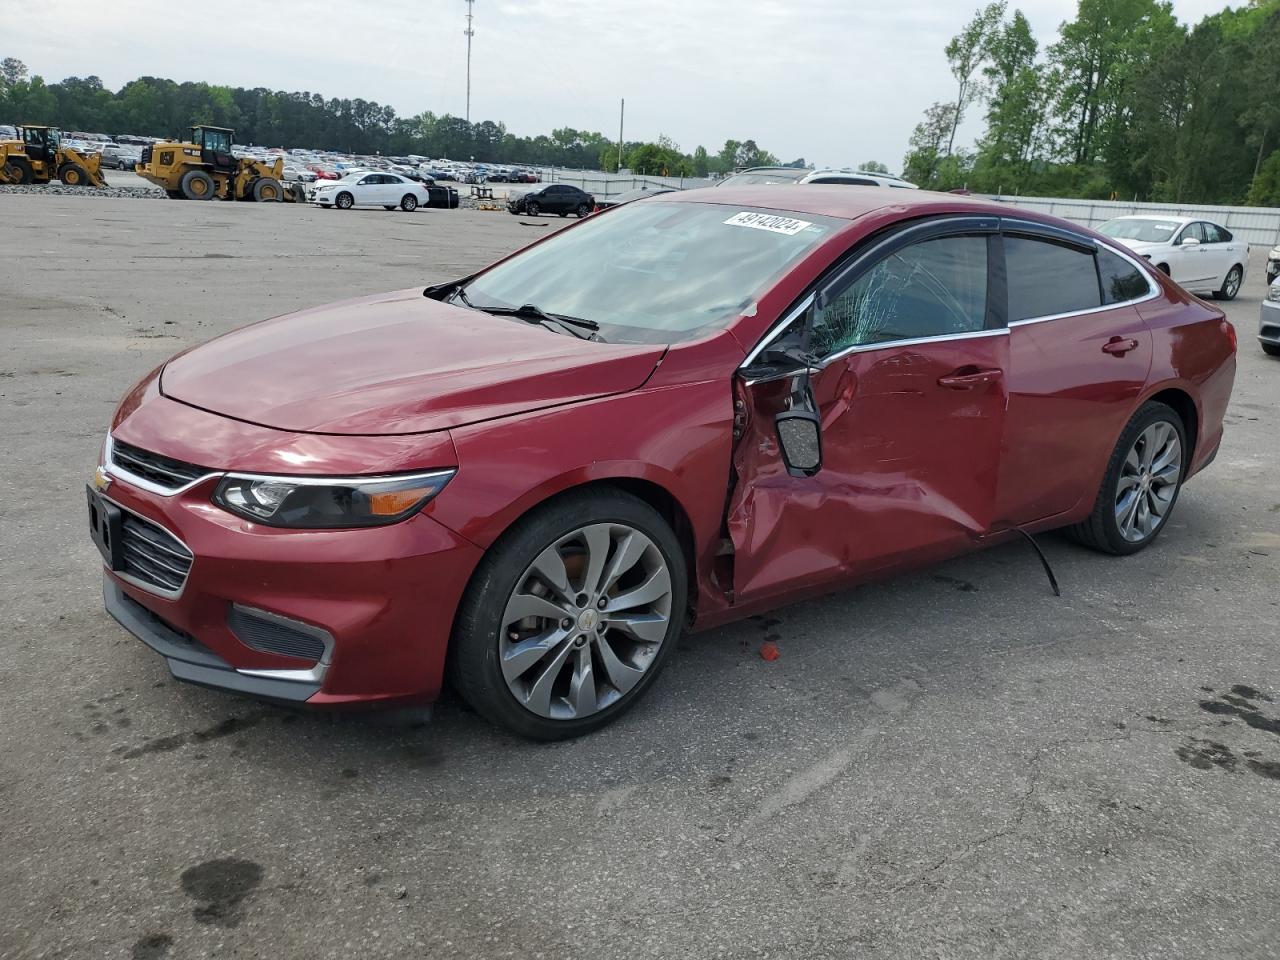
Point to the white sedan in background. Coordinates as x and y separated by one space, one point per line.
366 189
1201 256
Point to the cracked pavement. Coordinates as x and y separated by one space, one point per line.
953 764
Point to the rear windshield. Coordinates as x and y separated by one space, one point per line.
655 272
756 177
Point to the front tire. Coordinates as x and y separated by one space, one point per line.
532 208
73 175
570 616
1230 284
1141 485
344 201
268 190
584 211
1271 349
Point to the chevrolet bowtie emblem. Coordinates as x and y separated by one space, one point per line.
101 479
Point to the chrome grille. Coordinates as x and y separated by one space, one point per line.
153 557
153 467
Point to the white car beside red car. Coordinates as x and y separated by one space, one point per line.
372 189
1201 256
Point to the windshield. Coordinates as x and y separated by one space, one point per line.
655 272
1147 231
753 177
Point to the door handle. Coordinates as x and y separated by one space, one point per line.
1119 346
966 378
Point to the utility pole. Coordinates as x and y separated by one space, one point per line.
469 34
622 114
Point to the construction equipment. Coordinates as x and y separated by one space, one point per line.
38 156
205 169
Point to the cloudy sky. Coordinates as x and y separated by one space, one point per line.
835 81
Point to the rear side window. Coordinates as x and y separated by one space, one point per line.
1047 278
931 289
1215 234
1121 280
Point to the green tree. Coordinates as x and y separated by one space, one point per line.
873 166
927 143
965 54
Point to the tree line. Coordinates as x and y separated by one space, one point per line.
1125 102
156 107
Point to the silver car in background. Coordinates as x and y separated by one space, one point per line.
1269 321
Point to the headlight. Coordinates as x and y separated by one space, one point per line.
1273 293
322 503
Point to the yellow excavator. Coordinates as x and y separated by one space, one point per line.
39 156
205 169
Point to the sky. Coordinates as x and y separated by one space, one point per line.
838 82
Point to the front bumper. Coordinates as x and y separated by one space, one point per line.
383 598
1269 322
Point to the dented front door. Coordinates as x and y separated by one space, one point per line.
911 447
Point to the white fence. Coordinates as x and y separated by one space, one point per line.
1260 225
605 185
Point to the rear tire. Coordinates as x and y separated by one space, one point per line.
198 185
344 201
485 636
1271 349
1230 284
18 170
409 203
584 210
1135 469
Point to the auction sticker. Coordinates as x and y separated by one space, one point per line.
768 221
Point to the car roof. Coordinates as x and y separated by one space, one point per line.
843 201
1158 216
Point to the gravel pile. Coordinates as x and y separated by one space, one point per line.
111 193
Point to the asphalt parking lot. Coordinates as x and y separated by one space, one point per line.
954 764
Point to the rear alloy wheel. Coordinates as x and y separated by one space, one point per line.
1141 485
571 616
409 203
344 201
584 210
198 185
1230 285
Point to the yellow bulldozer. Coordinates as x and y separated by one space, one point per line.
205 169
39 156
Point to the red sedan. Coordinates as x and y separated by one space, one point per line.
677 413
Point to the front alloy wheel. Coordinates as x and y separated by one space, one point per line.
585 622
570 616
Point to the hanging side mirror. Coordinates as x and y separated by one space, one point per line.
800 440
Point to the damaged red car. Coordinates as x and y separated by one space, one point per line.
682 411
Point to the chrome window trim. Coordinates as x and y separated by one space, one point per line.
911 342
122 474
776 332
313 675
141 584
343 481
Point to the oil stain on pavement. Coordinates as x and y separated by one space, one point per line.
1241 703
221 886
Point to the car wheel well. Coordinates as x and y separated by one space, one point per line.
1185 408
653 494
1164 268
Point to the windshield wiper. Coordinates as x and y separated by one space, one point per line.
535 314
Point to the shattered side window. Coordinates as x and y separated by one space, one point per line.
933 288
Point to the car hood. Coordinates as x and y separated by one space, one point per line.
1138 246
397 363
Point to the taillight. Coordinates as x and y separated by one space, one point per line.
1230 331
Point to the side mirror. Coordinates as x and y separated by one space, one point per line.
800 439
1190 242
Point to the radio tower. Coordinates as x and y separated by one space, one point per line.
469 33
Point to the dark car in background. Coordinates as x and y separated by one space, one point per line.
558 198
629 195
